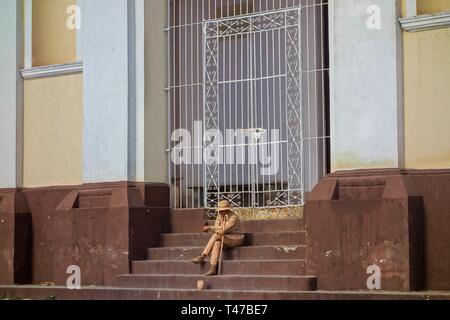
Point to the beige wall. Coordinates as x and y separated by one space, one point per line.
432 6
156 115
53 42
53 131
427 99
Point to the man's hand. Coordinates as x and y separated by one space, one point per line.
220 232
206 229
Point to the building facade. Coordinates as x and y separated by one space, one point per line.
111 107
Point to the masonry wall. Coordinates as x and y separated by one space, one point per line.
427 99
427 94
53 42
432 6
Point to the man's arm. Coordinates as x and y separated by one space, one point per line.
214 228
230 223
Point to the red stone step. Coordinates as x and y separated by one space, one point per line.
235 282
187 220
103 293
284 225
243 253
236 267
256 239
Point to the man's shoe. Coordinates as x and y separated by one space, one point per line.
212 271
199 260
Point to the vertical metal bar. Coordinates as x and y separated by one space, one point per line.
202 77
280 106
238 62
302 170
322 67
176 106
308 76
316 106
269 135
250 119
184 97
169 92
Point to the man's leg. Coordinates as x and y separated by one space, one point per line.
215 254
207 251
232 242
211 244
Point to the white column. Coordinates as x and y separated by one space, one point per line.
114 90
11 94
366 84
106 91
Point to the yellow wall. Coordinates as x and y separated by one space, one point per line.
53 42
53 131
432 6
427 99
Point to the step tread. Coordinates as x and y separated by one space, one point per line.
242 253
230 267
247 233
257 238
109 293
224 282
229 261
246 247
229 276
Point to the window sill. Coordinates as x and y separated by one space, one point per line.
426 22
52 70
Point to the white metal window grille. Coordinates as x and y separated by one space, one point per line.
254 67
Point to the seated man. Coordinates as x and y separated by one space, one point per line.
227 226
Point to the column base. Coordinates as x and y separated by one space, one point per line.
100 228
395 219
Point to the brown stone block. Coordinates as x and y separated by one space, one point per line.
99 227
372 221
15 238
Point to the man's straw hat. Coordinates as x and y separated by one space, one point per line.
223 205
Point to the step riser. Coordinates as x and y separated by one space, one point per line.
291 225
187 220
243 253
43 293
192 220
255 239
218 283
286 268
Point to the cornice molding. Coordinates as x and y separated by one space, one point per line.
426 22
52 70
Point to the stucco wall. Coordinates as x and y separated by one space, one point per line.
427 99
53 42
366 86
10 95
156 111
106 91
53 131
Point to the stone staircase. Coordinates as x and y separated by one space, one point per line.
272 260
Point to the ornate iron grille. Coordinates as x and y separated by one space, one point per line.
258 69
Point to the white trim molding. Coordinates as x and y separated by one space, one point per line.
426 22
52 71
